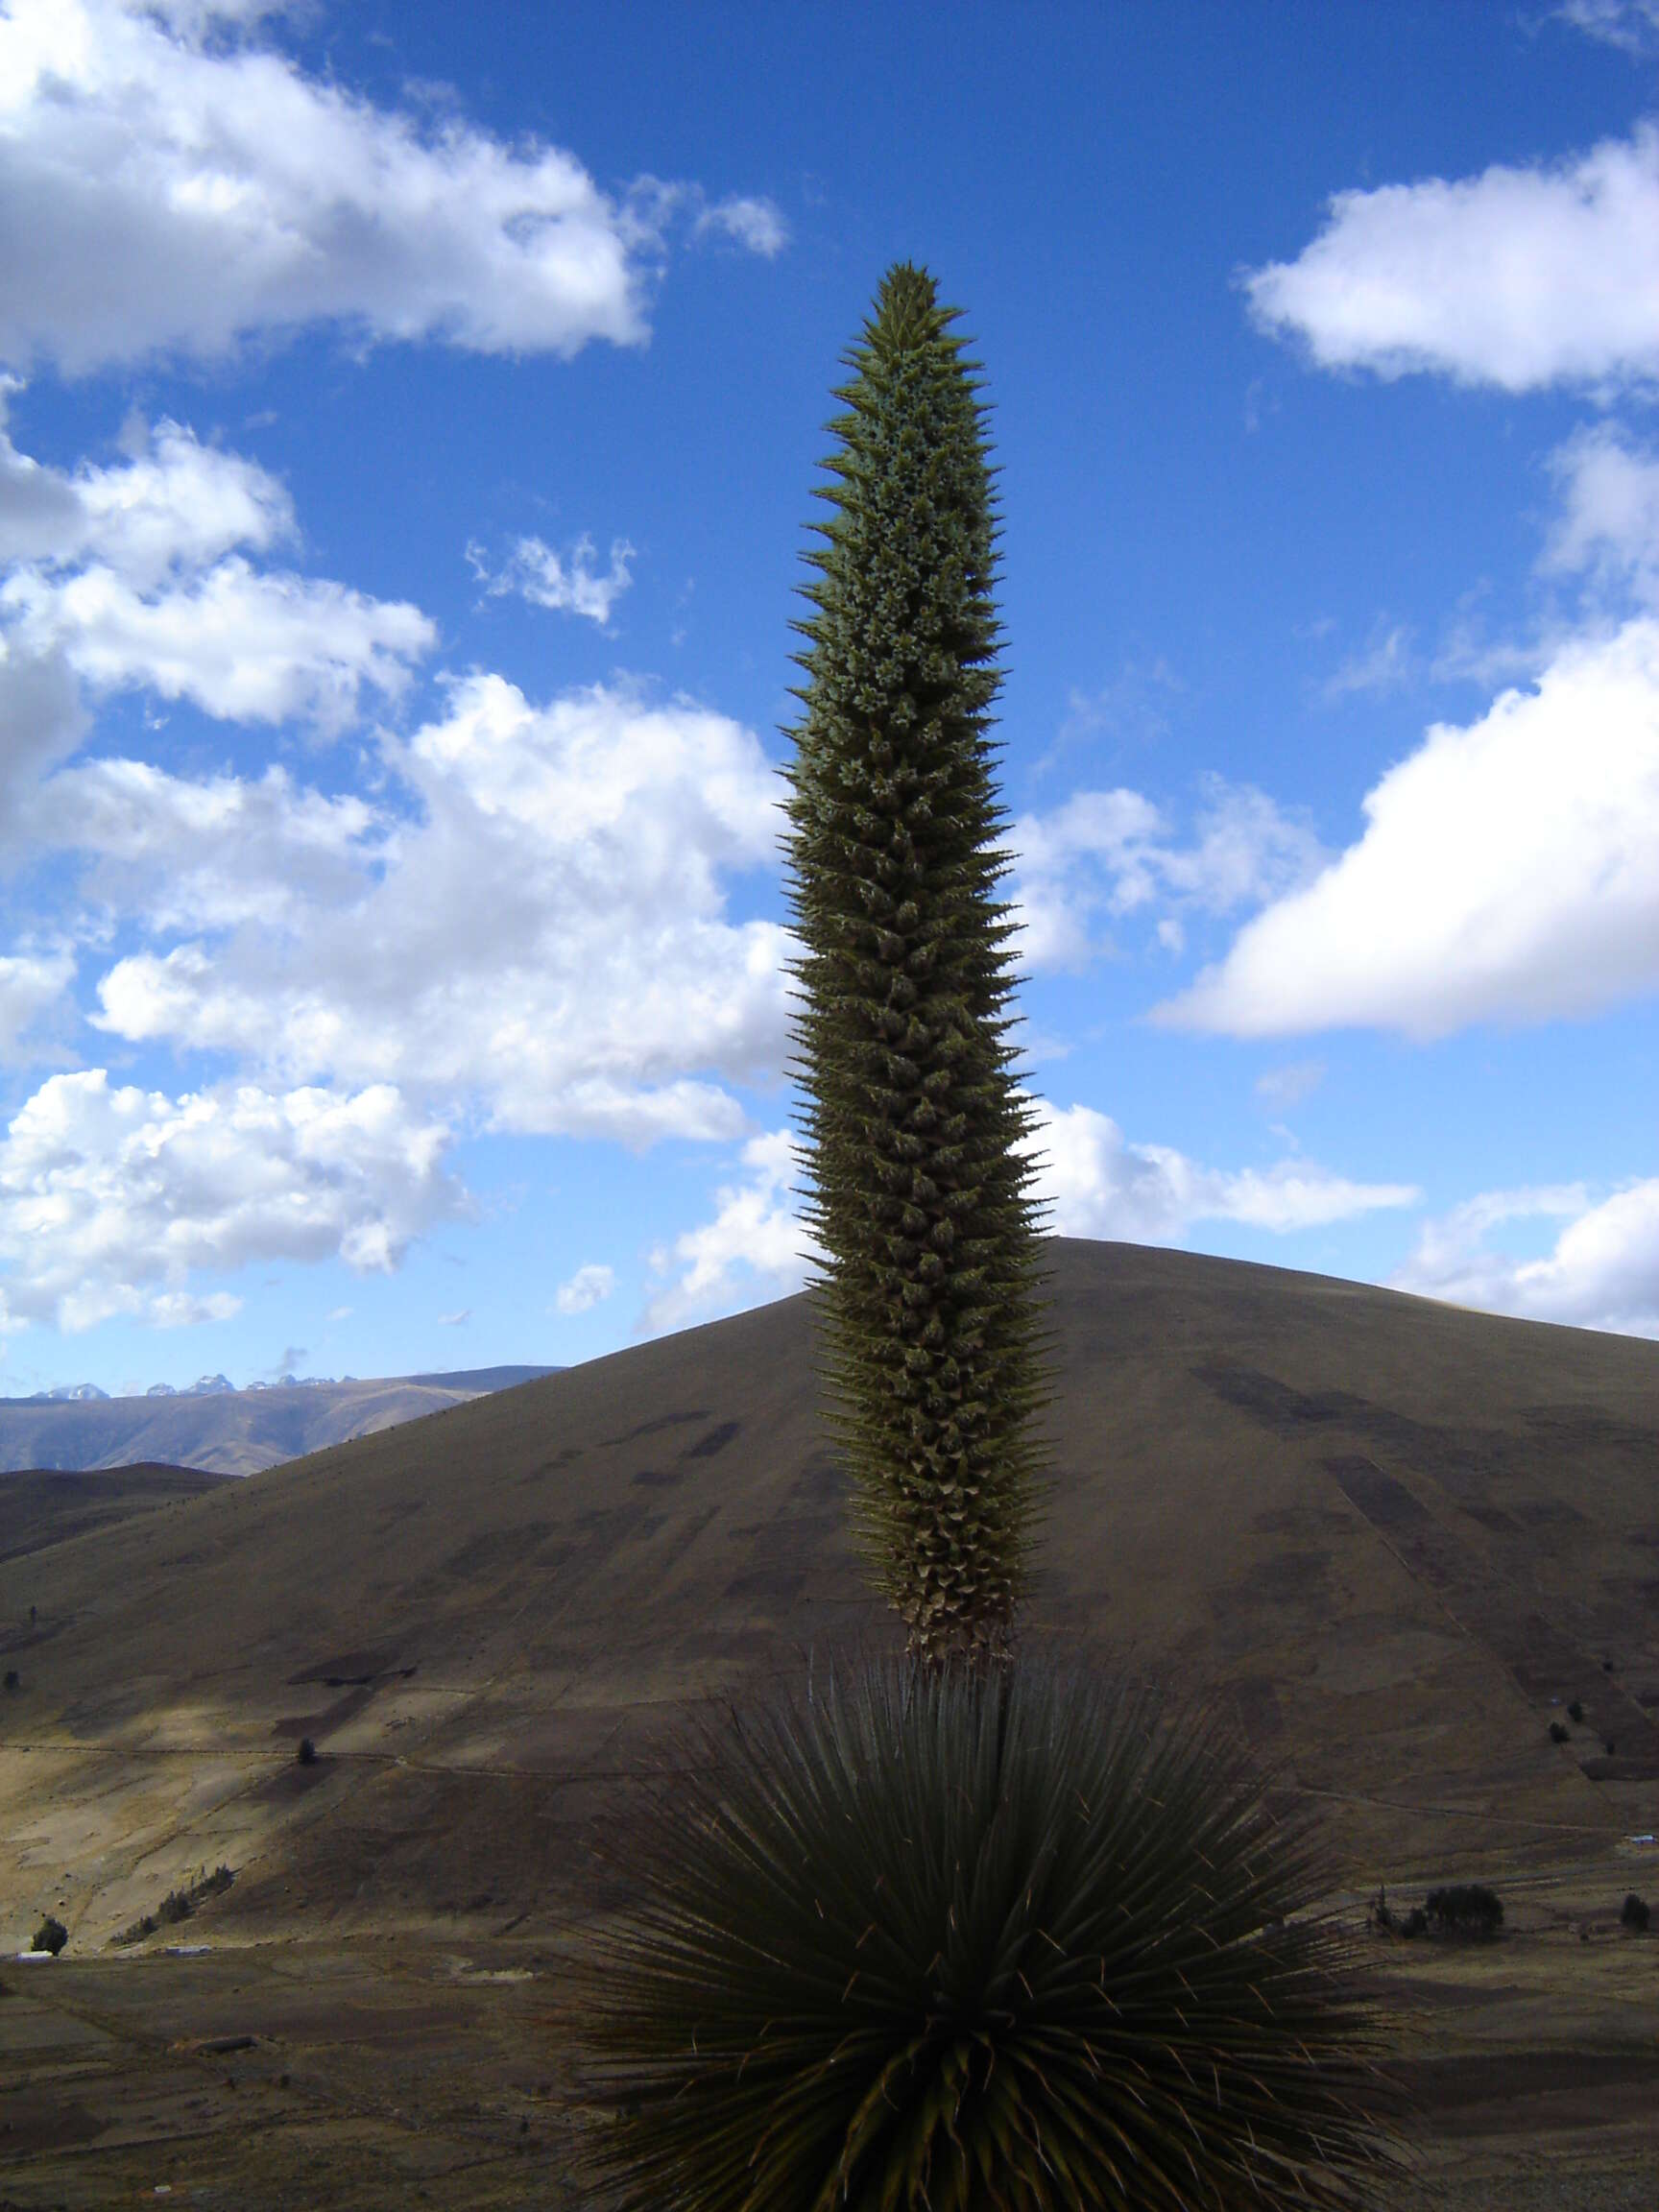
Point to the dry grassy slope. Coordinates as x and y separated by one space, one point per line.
39 1506
1389 1532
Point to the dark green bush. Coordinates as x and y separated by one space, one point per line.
50 1936
13 1680
1559 1732
1635 1915
1576 1711
1415 1922
1464 1909
307 1752
1007 1942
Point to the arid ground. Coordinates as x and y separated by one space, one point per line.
1396 1540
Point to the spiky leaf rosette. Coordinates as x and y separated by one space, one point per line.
1001 1941
920 1191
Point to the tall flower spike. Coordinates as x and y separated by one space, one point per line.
920 1186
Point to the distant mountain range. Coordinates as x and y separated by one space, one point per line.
206 1386
219 1430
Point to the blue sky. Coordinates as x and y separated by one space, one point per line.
411 417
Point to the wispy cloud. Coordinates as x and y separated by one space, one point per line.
588 1287
567 583
755 223
1103 856
1630 25
1387 663
1282 1088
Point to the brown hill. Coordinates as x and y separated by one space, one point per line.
1399 1537
41 1505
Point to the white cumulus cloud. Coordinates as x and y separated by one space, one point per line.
754 1248
242 644
136 575
1505 873
111 1198
1097 1184
170 181
1602 1272
172 502
1520 278
534 922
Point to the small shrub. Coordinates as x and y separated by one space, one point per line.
1576 1711
1465 1909
1379 1914
1635 1915
1606 1666
1415 1922
50 1936
307 1753
1559 1732
13 1680
1608 1745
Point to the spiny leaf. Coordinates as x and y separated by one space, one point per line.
975 1943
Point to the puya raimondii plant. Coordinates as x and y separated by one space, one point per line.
920 1187
955 1936
992 1942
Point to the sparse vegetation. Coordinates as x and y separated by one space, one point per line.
1559 1732
1466 1909
13 1680
50 1936
307 1752
1576 1713
956 1940
1635 1915
177 1905
920 1186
